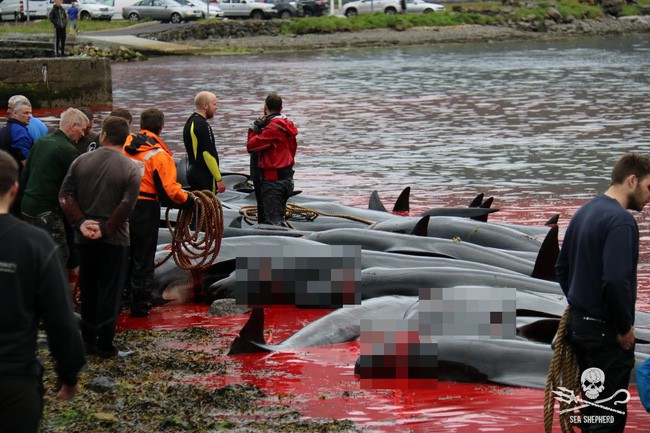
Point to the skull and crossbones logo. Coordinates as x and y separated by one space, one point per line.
593 382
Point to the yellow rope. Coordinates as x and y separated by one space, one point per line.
299 213
563 372
198 249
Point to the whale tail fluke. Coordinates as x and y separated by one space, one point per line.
375 202
487 204
547 256
402 203
477 201
422 227
553 220
251 335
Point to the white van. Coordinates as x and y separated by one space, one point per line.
16 10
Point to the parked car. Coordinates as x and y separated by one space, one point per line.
214 9
16 10
247 9
285 8
422 7
370 6
315 8
163 10
389 7
88 9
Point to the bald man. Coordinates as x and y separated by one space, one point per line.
203 172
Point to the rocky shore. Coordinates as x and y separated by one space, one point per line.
214 43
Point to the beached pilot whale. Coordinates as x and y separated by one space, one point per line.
522 361
539 264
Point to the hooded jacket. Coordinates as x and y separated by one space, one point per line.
58 17
159 170
276 145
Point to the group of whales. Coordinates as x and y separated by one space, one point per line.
451 247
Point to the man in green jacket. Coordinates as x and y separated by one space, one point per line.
47 165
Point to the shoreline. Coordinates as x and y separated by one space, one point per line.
380 38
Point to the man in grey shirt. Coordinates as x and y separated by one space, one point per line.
97 197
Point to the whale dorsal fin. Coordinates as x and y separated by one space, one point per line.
422 227
553 220
547 256
375 202
402 203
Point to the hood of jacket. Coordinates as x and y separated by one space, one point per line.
284 124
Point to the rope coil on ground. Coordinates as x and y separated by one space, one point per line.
563 372
298 213
198 248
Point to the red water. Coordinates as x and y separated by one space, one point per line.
320 383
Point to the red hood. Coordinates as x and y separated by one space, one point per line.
285 125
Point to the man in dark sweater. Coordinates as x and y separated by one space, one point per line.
597 271
34 289
97 197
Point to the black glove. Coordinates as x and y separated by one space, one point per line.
258 125
188 203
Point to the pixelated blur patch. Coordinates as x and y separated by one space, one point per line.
311 277
468 312
392 356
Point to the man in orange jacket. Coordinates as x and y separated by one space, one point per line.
159 184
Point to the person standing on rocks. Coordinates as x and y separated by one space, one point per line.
59 18
16 140
202 155
597 271
97 197
34 291
47 166
159 184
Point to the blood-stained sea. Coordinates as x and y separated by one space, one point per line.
536 125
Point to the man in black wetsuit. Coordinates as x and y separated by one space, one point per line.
597 270
203 159
33 289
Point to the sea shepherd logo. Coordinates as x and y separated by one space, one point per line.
593 383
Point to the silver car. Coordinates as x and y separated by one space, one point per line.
212 8
163 10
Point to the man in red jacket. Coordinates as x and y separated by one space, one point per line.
273 138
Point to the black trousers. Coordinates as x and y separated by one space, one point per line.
596 345
101 277
274 198
256 177
143 226
21 404
59 41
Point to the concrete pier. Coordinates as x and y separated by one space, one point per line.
57 82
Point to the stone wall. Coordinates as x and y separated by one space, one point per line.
222 29
57 82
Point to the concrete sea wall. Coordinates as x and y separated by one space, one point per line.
57 82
